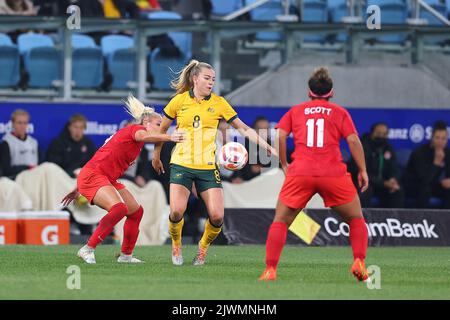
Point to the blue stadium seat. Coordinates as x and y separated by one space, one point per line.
162 69
433 2
374 202
335 3
112 43
86 56
41 59
82 41
433 21
223 8
183 40
314 11
9 62
120 58
266 12
383 2
436 202
338 12
403 157
393 13
5 40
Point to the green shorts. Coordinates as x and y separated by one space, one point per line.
203 179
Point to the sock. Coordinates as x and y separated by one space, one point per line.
358 237
131 231
276 239
175 230
211 232
107 223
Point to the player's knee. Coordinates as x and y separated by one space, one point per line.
216 221
216 217
120 208
137 214
284 219
177 212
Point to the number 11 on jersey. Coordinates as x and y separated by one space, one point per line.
310 134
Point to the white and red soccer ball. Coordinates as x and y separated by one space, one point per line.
233 156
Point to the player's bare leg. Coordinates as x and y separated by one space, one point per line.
213 199
276 238
109 199
179 196
130 227
352 214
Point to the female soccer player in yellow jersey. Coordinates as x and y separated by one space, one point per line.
198 112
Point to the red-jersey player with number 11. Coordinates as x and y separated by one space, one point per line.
317 167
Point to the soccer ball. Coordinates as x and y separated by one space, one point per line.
233 156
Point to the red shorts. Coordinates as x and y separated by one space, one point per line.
298 190
90 180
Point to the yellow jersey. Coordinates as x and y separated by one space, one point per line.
199 120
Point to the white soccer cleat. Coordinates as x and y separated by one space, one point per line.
199 259
87 254
128 258
177 257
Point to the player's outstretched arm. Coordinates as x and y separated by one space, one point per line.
156 158
150 137
251 134
357 152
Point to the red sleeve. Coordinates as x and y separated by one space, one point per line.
135 129
347 126
154 4
285 122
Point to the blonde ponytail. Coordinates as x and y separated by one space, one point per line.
184 80
136 108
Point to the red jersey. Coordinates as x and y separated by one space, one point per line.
118 153
317 127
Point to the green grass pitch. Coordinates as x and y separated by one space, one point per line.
231 272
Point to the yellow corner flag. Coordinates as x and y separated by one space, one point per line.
305 227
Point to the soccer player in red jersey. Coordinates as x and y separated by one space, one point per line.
97 180
317 167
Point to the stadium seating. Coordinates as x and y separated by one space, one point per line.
402 158
433 21
9 62
393 12
183 40
120 58
222 8
314 11
162 69
335 3
87 67
337 12
266 12
41 59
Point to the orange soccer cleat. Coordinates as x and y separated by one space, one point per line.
359 270
270 274
177 257
199 259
